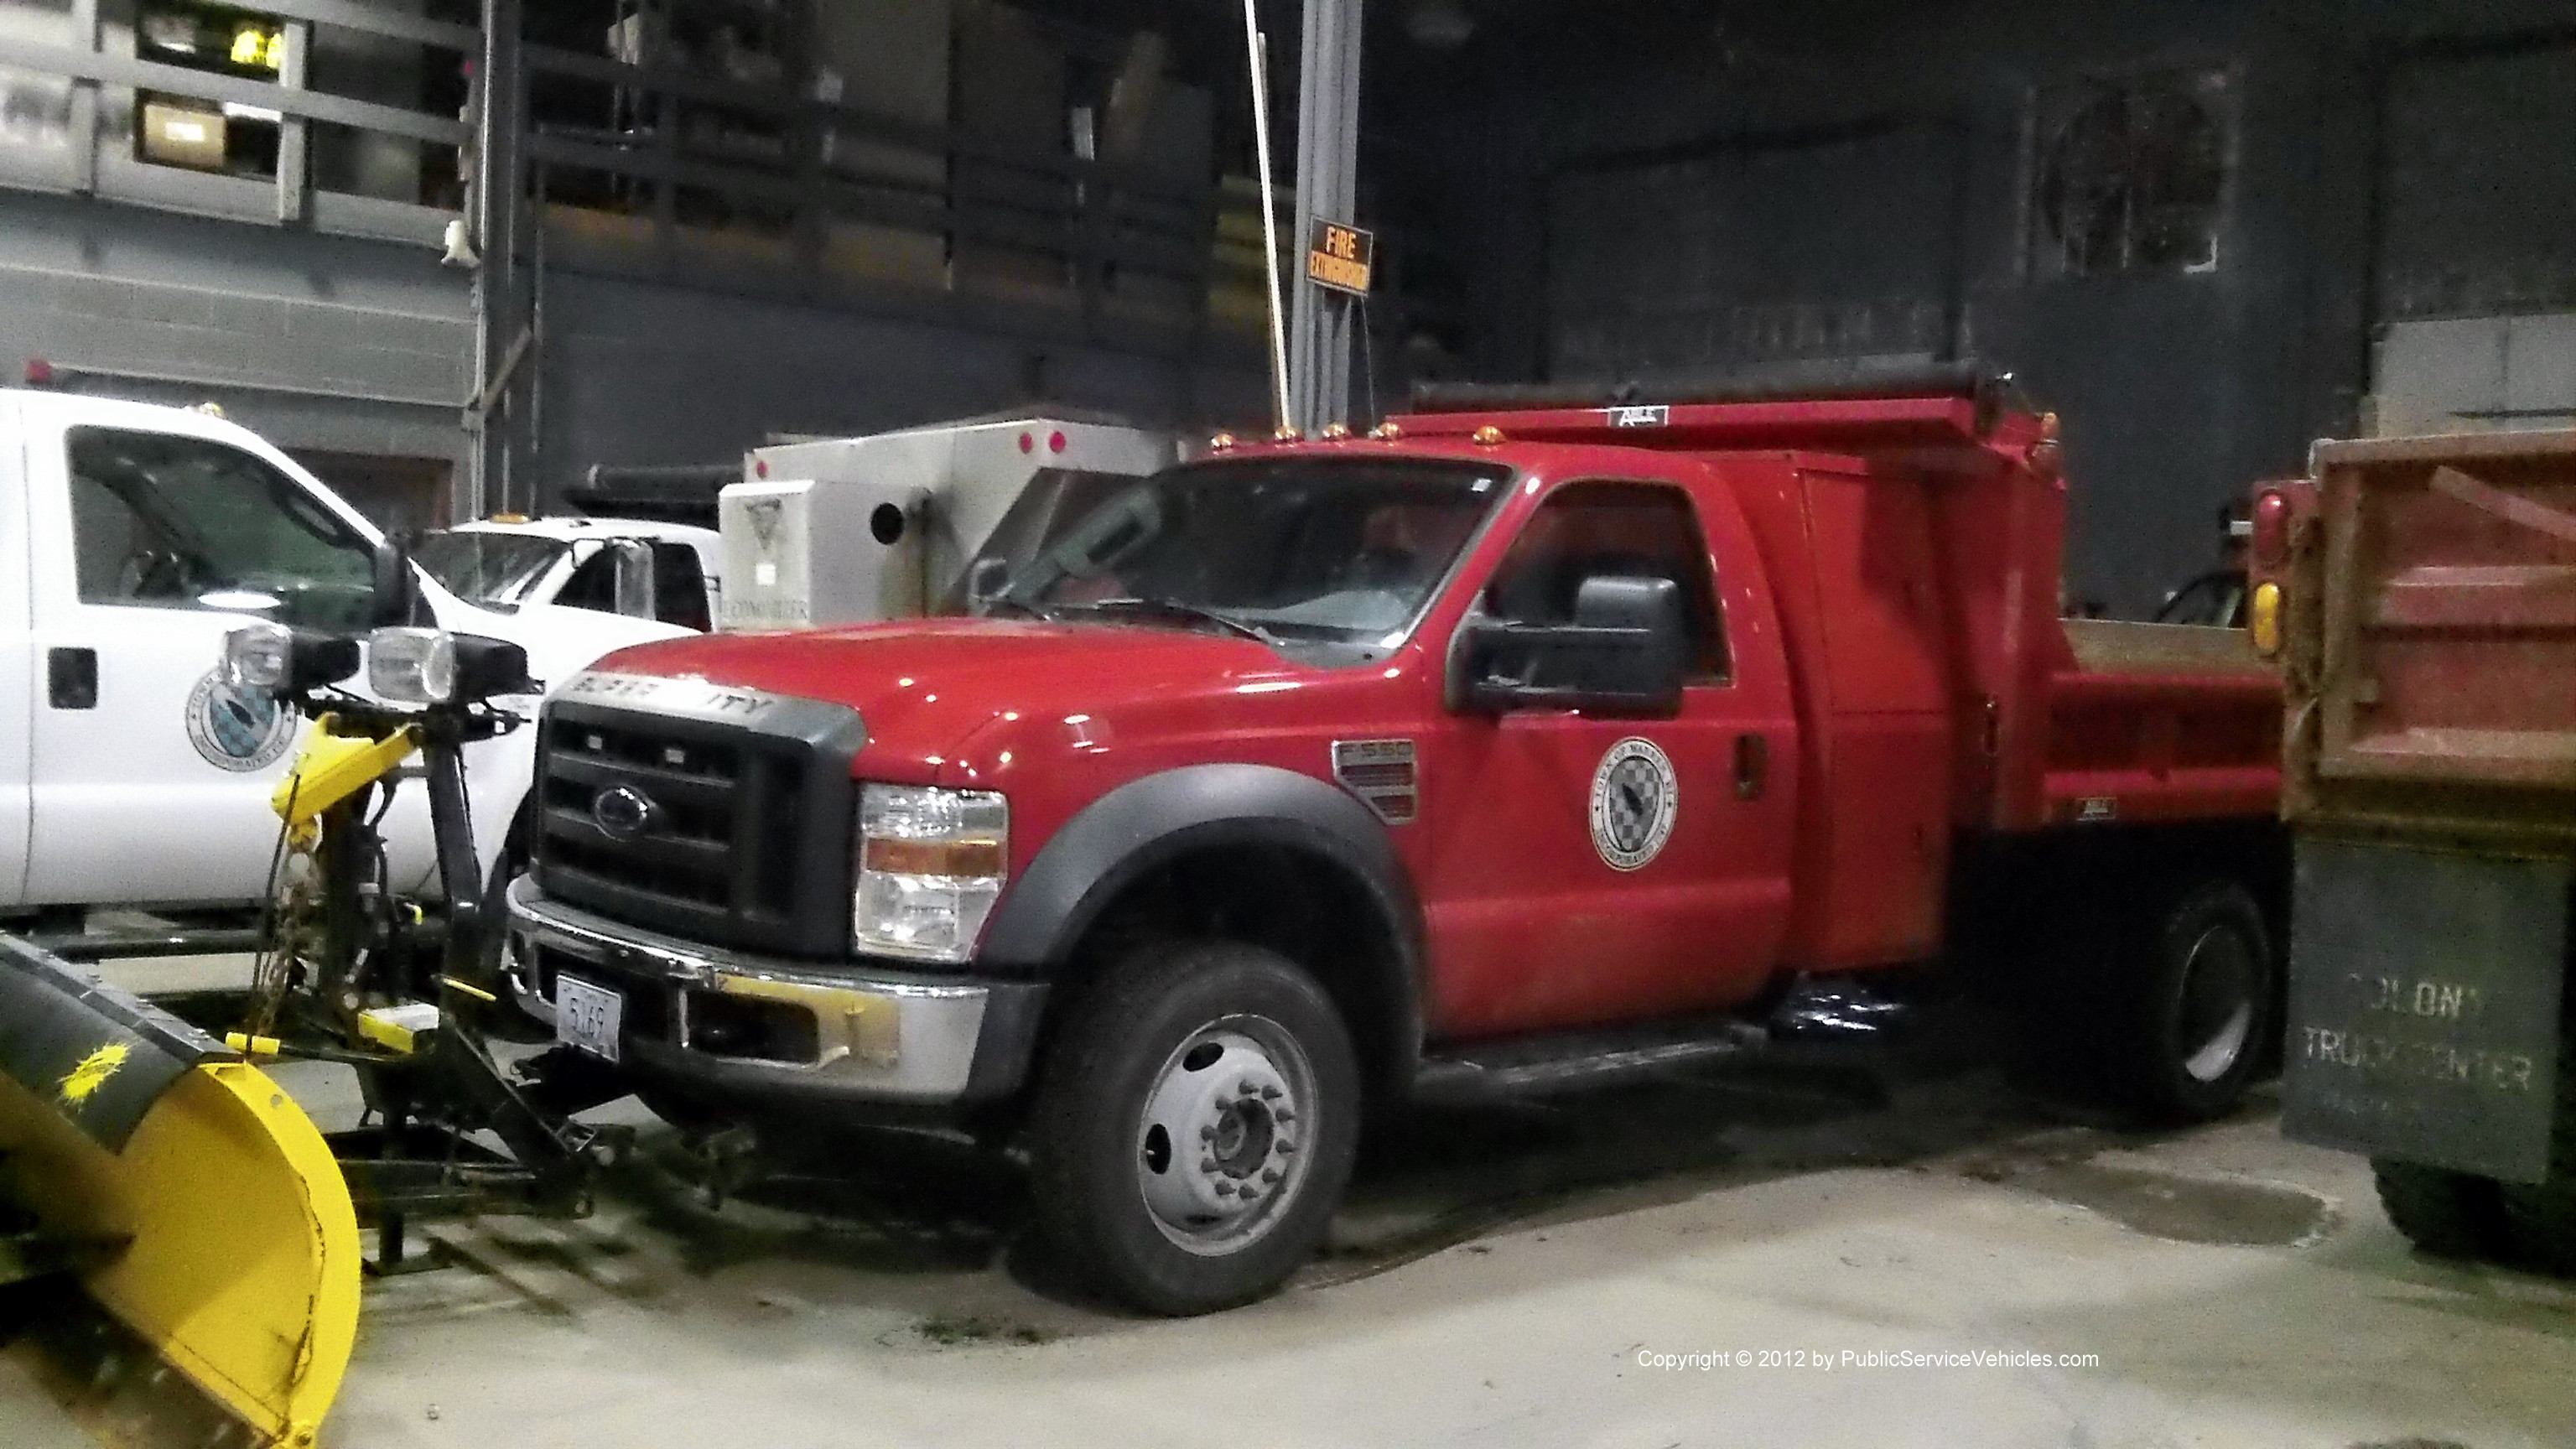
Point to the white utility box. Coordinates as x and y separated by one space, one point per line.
852 530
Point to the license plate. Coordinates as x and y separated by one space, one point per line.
587 1016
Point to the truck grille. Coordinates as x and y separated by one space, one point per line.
717 831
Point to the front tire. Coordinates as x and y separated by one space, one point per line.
497 964
1196 1120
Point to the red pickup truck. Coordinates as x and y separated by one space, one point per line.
1493 751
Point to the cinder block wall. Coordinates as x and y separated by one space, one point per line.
314 341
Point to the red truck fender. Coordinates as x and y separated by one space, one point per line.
1347 913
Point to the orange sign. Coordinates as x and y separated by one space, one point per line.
1340 257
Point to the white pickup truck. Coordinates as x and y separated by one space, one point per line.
639 567
132 539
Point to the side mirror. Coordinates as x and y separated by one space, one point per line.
395 589
634 562
1625 654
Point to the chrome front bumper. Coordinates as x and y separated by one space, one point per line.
878 1035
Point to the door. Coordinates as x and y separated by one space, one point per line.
681 592
1588 869
150 775
14 656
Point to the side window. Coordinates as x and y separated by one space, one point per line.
1590 530
679 587
593 584
165 521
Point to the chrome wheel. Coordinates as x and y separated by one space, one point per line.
2219 980
1218 1149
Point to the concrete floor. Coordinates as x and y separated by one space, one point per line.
1500 1278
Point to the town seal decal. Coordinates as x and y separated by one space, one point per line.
1634 799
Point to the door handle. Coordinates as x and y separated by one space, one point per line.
71 678
1752 765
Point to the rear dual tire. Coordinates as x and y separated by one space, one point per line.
2197 1006
2159 999
2449 1214
1196 1120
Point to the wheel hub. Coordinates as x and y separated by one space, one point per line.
1217 1147
2218 1004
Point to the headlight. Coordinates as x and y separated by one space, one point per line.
931 864
274 659
256 657
432 666
412 666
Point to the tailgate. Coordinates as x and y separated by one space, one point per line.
2449 611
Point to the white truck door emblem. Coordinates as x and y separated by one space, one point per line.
235 729
1634 799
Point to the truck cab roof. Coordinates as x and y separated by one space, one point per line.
571 528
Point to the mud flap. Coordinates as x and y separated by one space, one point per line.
2424 1005
192 1197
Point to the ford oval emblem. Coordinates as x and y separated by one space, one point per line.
624 811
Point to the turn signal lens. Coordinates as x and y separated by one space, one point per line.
1488 435
2271 528
2263 616
931 864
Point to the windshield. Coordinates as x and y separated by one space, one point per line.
161 520
1331 557
495 570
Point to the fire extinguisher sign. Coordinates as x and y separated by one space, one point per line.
1340 257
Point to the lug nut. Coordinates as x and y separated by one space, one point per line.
1270 1093
1208 1133
1225 1187
1283 1146
1270 1174
1283 1115
1247 1086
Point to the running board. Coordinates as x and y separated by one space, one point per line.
1574 1061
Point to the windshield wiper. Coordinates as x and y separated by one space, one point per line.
1023 606
1178 609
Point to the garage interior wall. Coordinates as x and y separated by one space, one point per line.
325 320
1702 190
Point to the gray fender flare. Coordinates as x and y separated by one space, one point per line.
1147 823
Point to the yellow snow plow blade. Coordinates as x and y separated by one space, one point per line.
190 1195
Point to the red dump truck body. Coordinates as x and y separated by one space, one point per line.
1913 549
2426 595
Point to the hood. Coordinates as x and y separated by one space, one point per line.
560 641
922 685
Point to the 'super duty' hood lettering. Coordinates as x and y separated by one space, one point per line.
671 695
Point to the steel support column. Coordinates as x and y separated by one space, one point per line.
1322 325
496 205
